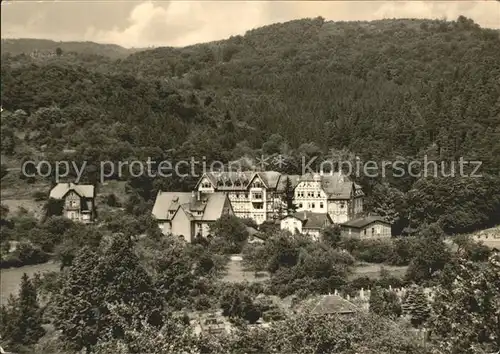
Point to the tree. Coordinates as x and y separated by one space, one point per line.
416 306
54 207
22 318
431 254
466 307
59 51
231 232
102 297
332 236
376 301
288 196
236 303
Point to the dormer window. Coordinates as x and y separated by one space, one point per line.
228 183
237 184
220 183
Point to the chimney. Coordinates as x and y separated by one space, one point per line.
305 215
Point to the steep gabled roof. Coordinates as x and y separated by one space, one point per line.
215 206
335 185
166 201
365 221
61 189
311 220
210 205
232 180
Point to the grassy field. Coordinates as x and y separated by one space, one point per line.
30 205
11 278
236 272
373 270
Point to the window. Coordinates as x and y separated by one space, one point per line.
319 194
373 230
312 205
364 232
321 205
300 205
200 212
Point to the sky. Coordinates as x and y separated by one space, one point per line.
179 23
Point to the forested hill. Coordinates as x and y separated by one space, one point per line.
32 46
391 89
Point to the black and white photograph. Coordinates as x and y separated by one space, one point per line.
250 177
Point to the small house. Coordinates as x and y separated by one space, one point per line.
306 222
78 200
367 227
189 214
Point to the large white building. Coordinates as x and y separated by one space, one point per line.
259 195
254 195
333 193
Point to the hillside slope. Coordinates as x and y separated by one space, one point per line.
44 46
391 90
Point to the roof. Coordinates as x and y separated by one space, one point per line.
335 185
365 221
311 220
209 207
334 304
231 180
61 189
166 201
214 206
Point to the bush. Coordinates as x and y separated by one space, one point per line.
25 254
112 200
40 196
374 251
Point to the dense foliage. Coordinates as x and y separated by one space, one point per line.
301 88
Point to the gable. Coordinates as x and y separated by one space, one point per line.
205 182
256 180
61 189
72 195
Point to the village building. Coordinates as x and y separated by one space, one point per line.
332 193
253 195
367 227
334 304
306 222
189 214
78 200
